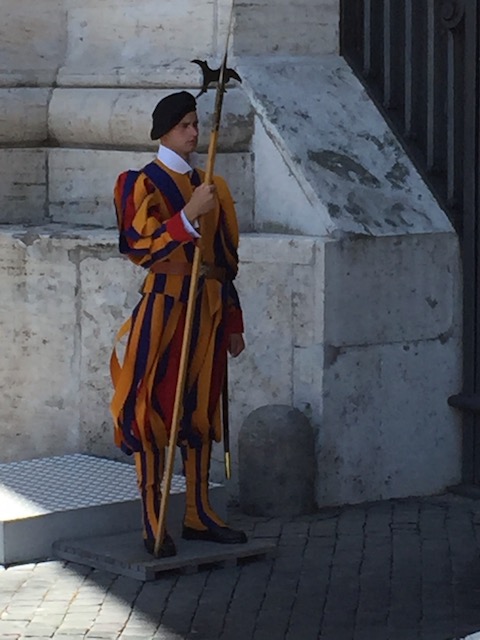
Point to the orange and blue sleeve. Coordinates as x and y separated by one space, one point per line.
149 231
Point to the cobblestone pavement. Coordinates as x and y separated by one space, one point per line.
395 570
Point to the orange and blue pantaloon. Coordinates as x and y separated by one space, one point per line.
148 205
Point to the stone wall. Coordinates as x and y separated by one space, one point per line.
350 271
379 352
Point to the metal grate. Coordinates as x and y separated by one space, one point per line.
62 483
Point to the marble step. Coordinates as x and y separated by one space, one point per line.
75 496
112 118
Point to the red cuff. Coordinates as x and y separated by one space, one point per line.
233 321
176 229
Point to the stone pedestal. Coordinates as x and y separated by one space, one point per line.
276 462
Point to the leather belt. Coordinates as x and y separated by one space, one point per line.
207 270
172 268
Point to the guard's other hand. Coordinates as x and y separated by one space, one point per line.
202 201
236 344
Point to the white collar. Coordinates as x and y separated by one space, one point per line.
173 161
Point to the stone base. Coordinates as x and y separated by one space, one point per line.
124 554
48 499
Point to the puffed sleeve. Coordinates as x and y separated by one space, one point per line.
148 233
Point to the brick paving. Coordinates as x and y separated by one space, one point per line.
394 570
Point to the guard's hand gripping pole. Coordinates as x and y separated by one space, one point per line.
224 75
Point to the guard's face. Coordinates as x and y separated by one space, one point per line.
183 138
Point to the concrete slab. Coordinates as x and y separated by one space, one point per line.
77 495
124 554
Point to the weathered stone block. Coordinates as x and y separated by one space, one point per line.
291 207
347 162
121 118
33 36
266 293
81 183
23 116
276 462
267 288
390 289
109 293
111 41
278 249
151 73
288 28
308 366
23 198
38 369
387 430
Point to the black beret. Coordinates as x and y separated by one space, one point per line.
169 111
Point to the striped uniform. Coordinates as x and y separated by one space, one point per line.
148 205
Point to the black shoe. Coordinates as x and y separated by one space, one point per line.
223 535
167 548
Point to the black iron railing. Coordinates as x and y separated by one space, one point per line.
412 56
420 62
